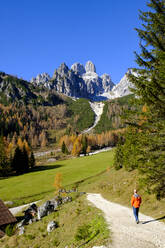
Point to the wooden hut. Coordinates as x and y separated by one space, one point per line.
6 218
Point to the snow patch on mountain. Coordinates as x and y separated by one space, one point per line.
97 107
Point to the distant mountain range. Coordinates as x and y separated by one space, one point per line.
80 81
76 82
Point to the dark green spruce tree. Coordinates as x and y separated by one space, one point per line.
64 148
4 163
20 162
25 160
144 147
84 145
17 161
32 161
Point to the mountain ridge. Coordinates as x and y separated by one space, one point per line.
75 82
83 81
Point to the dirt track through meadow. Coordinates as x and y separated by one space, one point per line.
149 233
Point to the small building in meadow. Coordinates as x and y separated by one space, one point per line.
6 218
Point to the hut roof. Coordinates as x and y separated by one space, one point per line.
6 216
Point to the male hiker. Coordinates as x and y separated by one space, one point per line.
135 202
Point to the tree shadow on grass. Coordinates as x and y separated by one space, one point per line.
45 167
148 221
35 169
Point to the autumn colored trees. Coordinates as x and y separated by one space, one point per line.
15 157
77 144
30 123
58 181
33 123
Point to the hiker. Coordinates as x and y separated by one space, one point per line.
135 202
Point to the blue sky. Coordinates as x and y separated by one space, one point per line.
38 35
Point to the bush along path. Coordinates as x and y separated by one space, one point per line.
149 233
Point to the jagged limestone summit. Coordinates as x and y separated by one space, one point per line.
83 81
79 81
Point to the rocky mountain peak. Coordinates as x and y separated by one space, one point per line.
41 78
63 69
107 82
105 76
123 87
83 81
90 67
78 68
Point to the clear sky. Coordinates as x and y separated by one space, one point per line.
38 35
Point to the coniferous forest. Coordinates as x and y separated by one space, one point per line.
144 146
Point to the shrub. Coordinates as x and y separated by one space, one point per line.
30 236
56 242
9 230
90 231
82 232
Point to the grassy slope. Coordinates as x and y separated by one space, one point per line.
69 217
118 186
34 185
114 185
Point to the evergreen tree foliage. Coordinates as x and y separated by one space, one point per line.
118 161
144 147
25 160
64 148
20 161
32 160
2 153
17 161
84 145
4 163
150 81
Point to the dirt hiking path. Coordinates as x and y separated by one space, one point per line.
149 233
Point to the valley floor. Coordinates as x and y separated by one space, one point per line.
149 233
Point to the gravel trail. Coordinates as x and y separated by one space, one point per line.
149 233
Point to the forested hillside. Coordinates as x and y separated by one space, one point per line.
36 113
112 113
34 123
34 117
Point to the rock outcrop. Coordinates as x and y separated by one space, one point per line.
78 68
68 82
13 89
107 82
90 67
123 87
41 78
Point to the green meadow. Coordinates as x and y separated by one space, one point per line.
90 174
37 184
